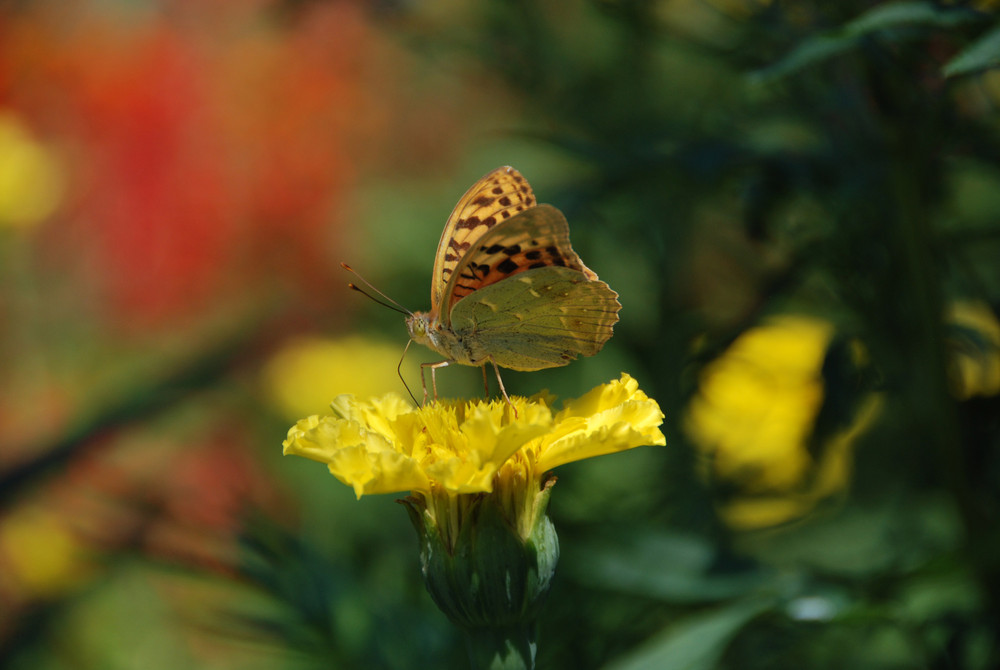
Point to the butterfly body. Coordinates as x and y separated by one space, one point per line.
521 326
507 287
430 333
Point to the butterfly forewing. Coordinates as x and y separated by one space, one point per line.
535 238
507 286
540 318
495 198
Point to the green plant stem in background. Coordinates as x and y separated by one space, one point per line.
913 275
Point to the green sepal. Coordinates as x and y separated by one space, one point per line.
489 580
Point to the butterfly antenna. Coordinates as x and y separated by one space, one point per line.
386 300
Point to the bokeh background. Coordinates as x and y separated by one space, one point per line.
799 203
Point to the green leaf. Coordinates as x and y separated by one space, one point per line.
900 14
812 51
982 54
825 45
672 568
694 643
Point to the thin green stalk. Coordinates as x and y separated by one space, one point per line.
502 648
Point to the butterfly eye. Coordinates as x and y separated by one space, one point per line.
417 325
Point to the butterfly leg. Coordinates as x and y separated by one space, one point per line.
486 382
433 368
496 369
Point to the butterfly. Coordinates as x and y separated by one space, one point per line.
507 287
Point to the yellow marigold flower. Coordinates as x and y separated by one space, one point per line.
384 445
477 476
754 414
453 448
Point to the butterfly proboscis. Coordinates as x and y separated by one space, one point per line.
396 307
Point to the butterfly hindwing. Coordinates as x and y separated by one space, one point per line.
535 238
493 199
540 318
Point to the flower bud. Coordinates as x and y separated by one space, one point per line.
483 574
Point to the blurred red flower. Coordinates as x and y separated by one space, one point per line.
208 149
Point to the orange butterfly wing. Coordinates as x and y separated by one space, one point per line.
496 197
534 238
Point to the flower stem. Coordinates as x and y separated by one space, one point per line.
502 648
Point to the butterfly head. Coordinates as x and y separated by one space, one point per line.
418 325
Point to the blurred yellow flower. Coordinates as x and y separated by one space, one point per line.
829 475
754 414
41 554
31 180
307 373
756 403
973 349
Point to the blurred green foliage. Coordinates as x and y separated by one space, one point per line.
719 162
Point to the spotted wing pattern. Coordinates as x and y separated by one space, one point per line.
542 318
495 198
535 238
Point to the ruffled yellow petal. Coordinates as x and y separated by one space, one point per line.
319 438
371 471
359 454
375 414
613 417
383 445
471 441
451 460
